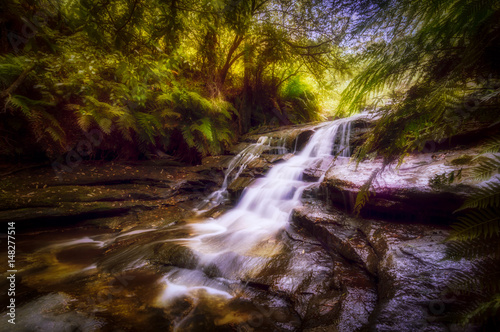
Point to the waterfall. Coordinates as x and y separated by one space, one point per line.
240 242
238 164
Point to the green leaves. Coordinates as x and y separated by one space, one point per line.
364 193
484 223
487 167
486 196
477 236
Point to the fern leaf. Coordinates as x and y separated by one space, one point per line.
470 249
479 223
488 166
188 136
484 280
483 311
364 193
488 195
205 128
492 145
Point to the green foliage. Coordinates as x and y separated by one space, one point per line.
485 196
426 77
158 74
472 249
462 160
439 181
483 223
365 193
300 101
487 167
477 236
485 279
492 145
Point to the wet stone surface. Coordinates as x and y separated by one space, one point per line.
404 261
96 244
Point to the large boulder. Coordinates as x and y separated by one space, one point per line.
405 260
411 192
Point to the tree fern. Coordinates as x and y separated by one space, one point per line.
483 223
492 145
485 196
488 166
364 193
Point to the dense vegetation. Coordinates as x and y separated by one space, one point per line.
432 73
185 78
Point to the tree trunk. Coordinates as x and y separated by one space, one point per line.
230 59
247 99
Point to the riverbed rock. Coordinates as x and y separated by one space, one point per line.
412 276
404 193
51 312
41 197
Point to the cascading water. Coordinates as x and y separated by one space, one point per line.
239 243
238 165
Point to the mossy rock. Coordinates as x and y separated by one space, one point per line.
462 160
172 254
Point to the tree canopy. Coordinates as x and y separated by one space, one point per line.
179 75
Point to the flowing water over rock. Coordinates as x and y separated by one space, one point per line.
279 260
238 165
240 244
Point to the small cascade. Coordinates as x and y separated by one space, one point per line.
238 164
239 243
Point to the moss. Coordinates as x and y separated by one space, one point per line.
462 160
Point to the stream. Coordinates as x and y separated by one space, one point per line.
222 268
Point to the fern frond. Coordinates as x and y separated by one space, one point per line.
485 279
125 123
488 166
364 193
470 249
188 136
149 126
483 311
168 113
483 223
26 105
165 98
205 128
485 196
492 145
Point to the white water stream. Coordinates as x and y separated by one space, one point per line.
240 242
238 165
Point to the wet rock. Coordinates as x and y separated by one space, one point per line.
339 233
406 193
277 157
413 277
217 162
407 260
301 140
236 187
258 166
316 170
51 312
170 254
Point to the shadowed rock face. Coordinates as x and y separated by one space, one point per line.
404 193
404 262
